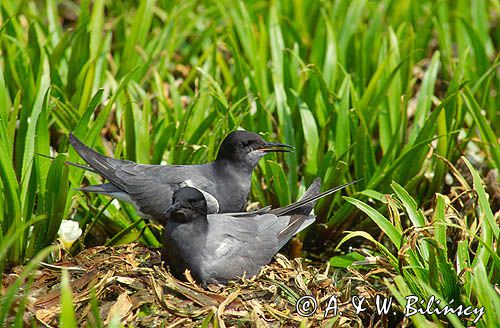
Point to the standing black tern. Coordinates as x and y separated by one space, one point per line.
225 183
217 248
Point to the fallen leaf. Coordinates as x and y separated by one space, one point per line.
120 309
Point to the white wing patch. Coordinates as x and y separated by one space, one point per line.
222 249
212 203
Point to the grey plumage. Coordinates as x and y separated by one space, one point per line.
224 182
217 248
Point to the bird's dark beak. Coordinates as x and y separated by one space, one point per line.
276 147
172 208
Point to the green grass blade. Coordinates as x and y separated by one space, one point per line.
489 226
68 317
384 224
485 130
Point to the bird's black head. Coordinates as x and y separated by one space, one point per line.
187 204
247 148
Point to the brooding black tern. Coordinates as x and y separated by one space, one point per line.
225 183
217 248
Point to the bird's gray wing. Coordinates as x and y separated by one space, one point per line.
306 207
296 223
303 205
299 217
148 187
104 165
306 204
260 211
238 246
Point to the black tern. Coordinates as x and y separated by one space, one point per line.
217 248
225 183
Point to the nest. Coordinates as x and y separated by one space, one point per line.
130 283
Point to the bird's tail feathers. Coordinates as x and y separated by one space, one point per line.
81 166
105 188
104 165
304 201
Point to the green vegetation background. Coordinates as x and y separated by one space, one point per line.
390 91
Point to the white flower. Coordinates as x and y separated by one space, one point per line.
429 175
448 179
69 232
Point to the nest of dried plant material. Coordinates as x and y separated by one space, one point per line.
131 283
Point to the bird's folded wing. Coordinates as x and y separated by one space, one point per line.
296 223
242 245
260 211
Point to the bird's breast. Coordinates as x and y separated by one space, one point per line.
232 198
232 187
